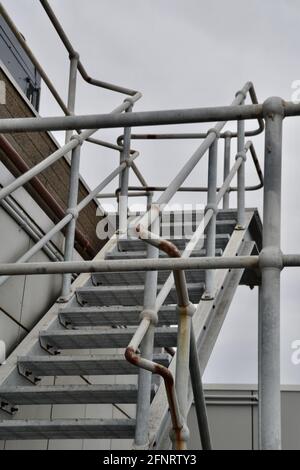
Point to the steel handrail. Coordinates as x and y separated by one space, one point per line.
177 407
59 153
71 215
201 189
72 53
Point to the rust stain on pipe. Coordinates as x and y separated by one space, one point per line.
132 357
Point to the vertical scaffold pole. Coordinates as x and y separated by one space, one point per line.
124 180
271 265
141 440
227 145
241 173
72 203
211 204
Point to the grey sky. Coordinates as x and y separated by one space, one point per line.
187 53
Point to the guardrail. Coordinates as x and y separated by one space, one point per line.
270 261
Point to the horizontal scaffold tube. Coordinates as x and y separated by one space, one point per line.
143 118
129 265
227 262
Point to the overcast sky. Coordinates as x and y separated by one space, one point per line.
185 53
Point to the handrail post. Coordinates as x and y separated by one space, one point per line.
72 90
271 265
227 147
199 397
241 172
124 180
72 204
141 440
211 205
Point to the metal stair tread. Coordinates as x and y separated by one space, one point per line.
67 429
115 254
128 295
107 338
135 244
112 315
70 394
129 278
75 365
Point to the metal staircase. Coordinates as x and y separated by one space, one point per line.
104 313
147 311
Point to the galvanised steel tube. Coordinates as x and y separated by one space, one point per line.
236 262
58 227
72 90
185 312
145 376
105 182
202 135
124 181
271 265
137 119
241 174
185 171
191 163
227 145
60 31
198 392
139 175
259 362
248 146
211 227
59 153
71 227
163 293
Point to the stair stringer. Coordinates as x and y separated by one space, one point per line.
207 322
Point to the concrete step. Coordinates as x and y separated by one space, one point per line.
128 295
70 394
114 315
108 338
67 429
61 365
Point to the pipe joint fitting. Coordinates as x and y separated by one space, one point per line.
74 55
77 137
211 206
150 315
241 155
213 131
241 92
273 106
271 257
129 99
188 310
73 211
180 435
228 135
